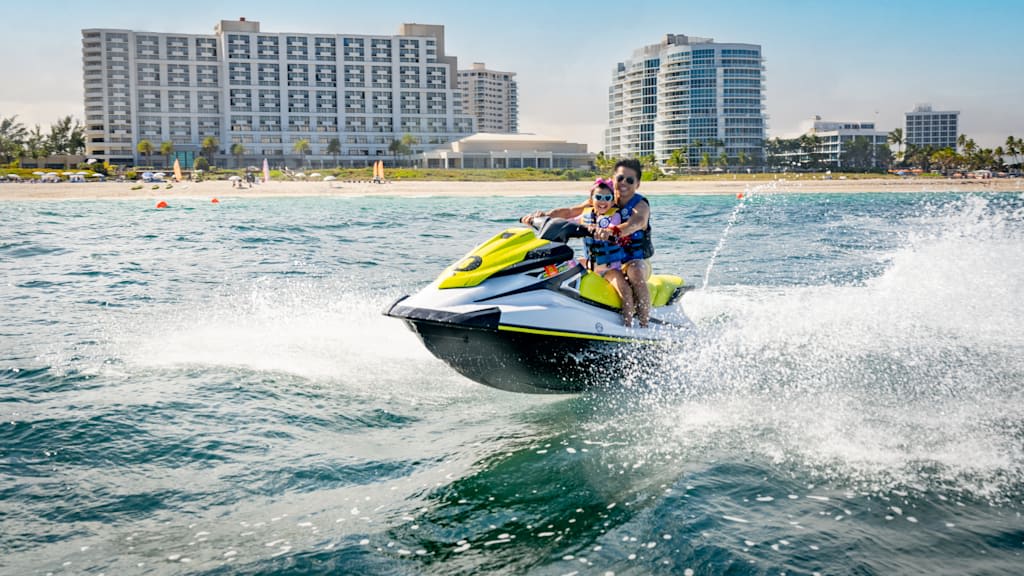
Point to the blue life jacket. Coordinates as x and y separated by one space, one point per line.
601 251
640 246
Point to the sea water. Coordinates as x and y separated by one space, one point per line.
212 389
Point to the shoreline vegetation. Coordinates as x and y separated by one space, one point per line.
725 184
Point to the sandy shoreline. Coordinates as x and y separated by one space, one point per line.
223 189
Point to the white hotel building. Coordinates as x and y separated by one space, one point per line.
684 91
935 128
492 98
268 90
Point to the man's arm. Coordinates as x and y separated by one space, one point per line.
637 220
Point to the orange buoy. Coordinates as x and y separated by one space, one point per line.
215 201
161 204
740 195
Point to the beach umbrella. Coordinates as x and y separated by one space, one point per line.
39 173
314 175
177 170
91 161
83 173
329 179
234 178
266 171
251 169
160 174
13 177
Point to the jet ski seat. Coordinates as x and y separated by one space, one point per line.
665 289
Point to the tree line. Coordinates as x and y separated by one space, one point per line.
66 136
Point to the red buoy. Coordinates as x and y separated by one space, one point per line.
215 201
161 204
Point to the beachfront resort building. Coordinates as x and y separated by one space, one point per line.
509 151
490 97
835 139
348 95
935 128
691 94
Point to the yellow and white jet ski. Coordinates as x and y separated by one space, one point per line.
520 313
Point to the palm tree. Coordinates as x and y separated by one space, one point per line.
238 150
36 145
408 141
334 149
166 149
947 158
705 161
678 158
12 137
896 139
603 163
743 158
145 147
209 147
1014 147
301 148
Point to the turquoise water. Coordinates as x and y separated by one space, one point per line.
211 389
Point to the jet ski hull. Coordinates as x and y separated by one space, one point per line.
521 359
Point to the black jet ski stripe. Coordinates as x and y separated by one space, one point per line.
552 283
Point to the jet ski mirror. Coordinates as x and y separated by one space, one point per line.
558 229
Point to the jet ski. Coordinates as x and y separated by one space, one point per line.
521 313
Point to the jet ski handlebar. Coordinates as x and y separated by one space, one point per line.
558 229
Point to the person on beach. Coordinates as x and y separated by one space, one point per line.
604 257
634 232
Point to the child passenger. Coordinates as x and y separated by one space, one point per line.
605 256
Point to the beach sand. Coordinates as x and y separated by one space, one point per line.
224 189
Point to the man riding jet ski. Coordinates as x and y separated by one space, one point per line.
520 313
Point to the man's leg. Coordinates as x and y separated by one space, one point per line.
637 272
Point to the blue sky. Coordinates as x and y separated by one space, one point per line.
846 60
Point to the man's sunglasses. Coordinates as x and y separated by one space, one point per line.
629 179
604 197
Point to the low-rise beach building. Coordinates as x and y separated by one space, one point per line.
508 151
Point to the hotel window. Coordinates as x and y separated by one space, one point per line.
242 123
355 76
147 47
268 74
298 101
177 48
298 75
270 101
353 49
206 49
270 124
410 76
381 102
326 75
380 50
326 124
148 74
355 102
267 47
325 49
149 100
208 101
326 102
297 47
241 100
179 101
239 74
207 76
381 76
299 124
238 47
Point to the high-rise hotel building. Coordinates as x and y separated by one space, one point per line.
490 97
266 91
935 128
688 92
